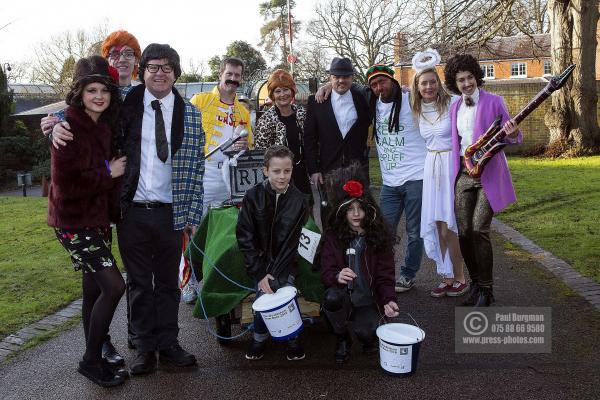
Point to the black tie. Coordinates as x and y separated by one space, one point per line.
162 147
469 101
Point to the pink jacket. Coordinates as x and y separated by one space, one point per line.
496 179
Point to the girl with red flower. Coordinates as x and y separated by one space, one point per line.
357 264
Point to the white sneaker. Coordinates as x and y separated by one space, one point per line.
403 284
188 293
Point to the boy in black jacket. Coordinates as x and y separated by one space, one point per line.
268 231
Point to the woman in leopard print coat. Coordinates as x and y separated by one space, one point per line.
283 124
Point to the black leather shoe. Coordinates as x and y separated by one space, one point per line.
144 363
176 356
473 295
118 371
486 297
111 355
100 374
342 349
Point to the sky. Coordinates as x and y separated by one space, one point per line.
197 29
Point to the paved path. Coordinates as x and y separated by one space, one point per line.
569 372
34 191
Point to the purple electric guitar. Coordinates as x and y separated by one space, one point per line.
479 153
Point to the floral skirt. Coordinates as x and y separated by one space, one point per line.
89 248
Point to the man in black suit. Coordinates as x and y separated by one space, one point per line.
336 130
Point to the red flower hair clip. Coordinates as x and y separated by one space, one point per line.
353 188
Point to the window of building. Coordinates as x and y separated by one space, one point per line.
488 71
547 67
518 70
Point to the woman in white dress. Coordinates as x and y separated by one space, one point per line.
430 103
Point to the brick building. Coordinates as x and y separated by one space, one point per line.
514 57
515 67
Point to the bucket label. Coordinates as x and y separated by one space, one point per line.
283 321
395 359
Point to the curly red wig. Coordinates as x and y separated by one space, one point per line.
122 38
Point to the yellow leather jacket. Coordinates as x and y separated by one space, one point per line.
208 103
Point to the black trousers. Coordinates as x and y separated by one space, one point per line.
474 217
339 311
151 252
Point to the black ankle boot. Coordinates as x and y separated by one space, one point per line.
342 348
473 295
486 297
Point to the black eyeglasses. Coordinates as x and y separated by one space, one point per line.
153 68
126 54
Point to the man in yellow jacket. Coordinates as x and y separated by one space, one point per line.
223 116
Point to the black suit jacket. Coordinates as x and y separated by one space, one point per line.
325 148
132 113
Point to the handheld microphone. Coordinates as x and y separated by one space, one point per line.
351 259
227 144
322 195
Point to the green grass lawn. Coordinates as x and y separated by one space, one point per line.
558 207
36 276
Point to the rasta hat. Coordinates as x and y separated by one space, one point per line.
394 117
282 79
380 70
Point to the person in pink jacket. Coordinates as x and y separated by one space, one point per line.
477 199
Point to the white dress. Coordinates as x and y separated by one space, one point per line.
438 188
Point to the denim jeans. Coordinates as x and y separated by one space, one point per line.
394 200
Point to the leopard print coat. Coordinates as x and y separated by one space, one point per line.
270 131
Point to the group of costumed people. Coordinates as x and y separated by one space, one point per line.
133 154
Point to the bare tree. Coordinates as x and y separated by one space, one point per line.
20 71
458 25
362 30
312 62
573 118
194 72
56 57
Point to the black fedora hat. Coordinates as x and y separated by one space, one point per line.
341 67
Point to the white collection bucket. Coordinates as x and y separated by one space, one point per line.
399 346
281 313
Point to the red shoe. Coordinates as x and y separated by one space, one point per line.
457 289
441 290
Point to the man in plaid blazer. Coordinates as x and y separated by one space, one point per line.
162 195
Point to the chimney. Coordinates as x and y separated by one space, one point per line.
400 48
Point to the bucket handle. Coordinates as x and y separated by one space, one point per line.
411 317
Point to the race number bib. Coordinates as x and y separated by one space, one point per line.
307 247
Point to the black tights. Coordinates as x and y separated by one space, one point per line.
102 291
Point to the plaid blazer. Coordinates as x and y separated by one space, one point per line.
187 144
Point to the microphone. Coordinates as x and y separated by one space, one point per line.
351 259
227 144
322 195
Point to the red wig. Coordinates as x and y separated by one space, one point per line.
122 38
